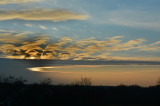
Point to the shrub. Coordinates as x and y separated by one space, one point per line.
83 82
46 81
158 82
12 80
20 81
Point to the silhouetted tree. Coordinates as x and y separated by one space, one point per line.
46 81
19 81
158 82
12 80
121 85
1 80
83 82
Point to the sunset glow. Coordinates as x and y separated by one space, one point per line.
73 36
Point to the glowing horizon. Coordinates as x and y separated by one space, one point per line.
145 75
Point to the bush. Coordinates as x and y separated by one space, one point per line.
46 81
83 82
158 82
12 80
19 81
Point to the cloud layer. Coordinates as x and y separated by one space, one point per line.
16 1
130 18
22 46
55 15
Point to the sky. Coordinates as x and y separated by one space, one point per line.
80 29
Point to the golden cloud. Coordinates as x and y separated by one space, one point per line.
5 38
151 47
132 44
44 69
20 46
16 1
133 58
55 15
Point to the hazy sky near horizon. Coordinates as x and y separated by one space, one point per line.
80 29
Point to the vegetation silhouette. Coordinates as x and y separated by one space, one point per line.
15 92
158 82
84 81
12 80
46 81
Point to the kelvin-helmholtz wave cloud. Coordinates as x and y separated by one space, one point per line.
23 46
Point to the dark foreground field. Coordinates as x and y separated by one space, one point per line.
56 95
15 92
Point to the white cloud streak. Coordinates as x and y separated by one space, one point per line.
130 18
43 27
28 25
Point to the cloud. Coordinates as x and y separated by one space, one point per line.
7 48
151 47
2 2
121 58
130 18
21 46
55 29
9 38
29 25
46 69
42 27
55 15
132 44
